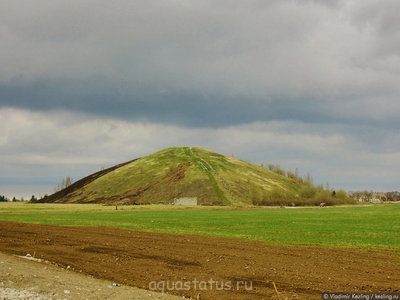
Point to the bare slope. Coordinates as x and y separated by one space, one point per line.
173 173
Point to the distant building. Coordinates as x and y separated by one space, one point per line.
189 201
372 197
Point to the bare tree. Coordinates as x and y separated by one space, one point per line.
66 182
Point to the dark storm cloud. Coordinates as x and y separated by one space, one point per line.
181 108
203 63
200 63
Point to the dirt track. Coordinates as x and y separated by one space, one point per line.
28 278
243 269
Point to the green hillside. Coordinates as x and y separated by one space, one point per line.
179 172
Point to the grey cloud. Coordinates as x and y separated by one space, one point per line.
246 49
190 109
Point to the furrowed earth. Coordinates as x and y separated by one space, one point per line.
195 267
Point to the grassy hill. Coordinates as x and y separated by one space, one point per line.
173 173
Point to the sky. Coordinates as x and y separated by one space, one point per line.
312 85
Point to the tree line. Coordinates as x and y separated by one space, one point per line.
310 194
5 199
372 196
65 182
306 193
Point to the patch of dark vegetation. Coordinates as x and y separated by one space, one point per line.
63 194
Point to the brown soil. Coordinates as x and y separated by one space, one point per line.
29 278
213 268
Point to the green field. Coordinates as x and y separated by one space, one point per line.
363 227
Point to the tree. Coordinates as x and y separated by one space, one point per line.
64 184
307 191
68 181
323 196
308 179
341 195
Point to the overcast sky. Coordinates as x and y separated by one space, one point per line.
307 84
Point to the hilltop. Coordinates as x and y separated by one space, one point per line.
173 173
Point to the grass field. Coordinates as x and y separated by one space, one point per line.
363 227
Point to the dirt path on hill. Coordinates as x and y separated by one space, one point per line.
200 267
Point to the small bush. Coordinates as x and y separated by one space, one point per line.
307 192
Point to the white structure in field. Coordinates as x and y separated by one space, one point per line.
186 201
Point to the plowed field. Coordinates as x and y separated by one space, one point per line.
204 267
